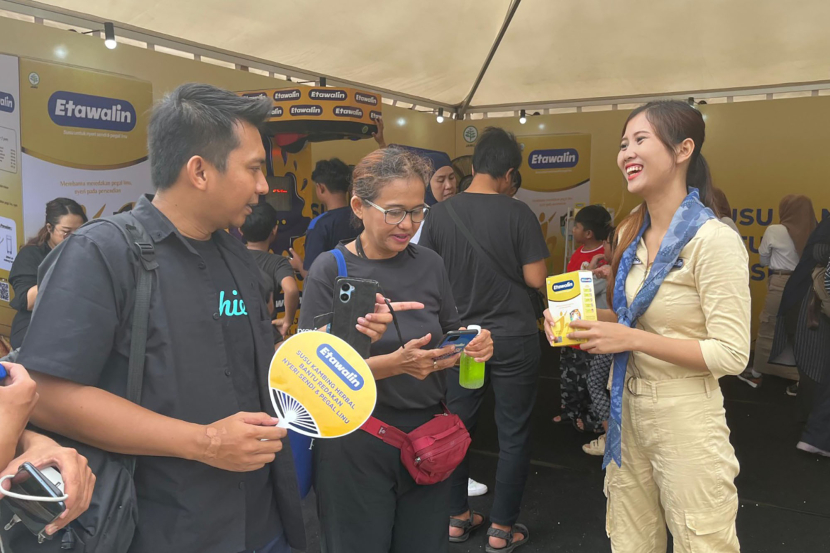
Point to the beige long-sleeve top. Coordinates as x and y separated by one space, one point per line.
705 298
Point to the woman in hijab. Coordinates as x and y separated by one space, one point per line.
780 250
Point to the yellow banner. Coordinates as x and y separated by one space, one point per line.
84 137
322 104
11 184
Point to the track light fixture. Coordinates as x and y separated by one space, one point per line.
440 117
522 117
109 36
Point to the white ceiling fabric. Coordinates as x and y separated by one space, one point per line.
554 50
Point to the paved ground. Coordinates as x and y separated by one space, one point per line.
785 494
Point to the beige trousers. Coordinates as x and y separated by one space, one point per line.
766 331
678 470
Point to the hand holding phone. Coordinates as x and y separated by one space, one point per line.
353 298
36 497
458 339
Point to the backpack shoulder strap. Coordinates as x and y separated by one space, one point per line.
342 271
136 235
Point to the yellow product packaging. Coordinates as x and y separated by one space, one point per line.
570 298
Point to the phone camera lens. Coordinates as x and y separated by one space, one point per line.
345 287
344 297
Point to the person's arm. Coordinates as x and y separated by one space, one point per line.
535 274
296 261
378 136
78 479
532 250
89 287
722 276
18 396
23 278
242 442
765 249
412 360
31 296
291 292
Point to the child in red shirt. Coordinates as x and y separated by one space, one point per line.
591 227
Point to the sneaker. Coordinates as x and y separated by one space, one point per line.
596 447
804 446
751 377
792 390
475 489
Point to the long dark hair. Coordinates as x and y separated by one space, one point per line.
56 209
673 121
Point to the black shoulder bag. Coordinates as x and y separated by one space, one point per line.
109 524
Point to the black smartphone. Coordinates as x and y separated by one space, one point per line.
353 298
35 515
459 339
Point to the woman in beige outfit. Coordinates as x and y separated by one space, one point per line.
676 465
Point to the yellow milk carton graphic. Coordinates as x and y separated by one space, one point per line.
570 298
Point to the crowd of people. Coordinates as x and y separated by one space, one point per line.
198 456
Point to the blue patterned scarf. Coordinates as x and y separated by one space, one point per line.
687 220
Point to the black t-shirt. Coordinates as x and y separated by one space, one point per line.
262 521
274 268
507 230
416 274
326 231
23 277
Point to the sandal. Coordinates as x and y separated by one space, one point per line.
508 537
467 525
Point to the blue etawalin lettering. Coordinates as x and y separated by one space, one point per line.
341 367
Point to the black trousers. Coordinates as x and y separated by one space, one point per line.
513 372
367 502
817 431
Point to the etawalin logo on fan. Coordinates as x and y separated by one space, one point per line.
346 111
553 159
72 109
6 102
299 111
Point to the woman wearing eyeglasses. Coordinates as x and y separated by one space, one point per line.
366 499
63 217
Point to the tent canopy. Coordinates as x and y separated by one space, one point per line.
552 51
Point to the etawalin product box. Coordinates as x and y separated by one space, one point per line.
570 298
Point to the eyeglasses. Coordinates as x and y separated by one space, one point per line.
64 231
395 216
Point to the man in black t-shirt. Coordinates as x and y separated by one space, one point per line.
259 231
213 473
510 235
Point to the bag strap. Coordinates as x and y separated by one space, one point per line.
136 235
480 251
342 271
381 430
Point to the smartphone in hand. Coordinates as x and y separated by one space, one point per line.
459 339
353 298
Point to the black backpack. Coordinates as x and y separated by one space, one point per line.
109 524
